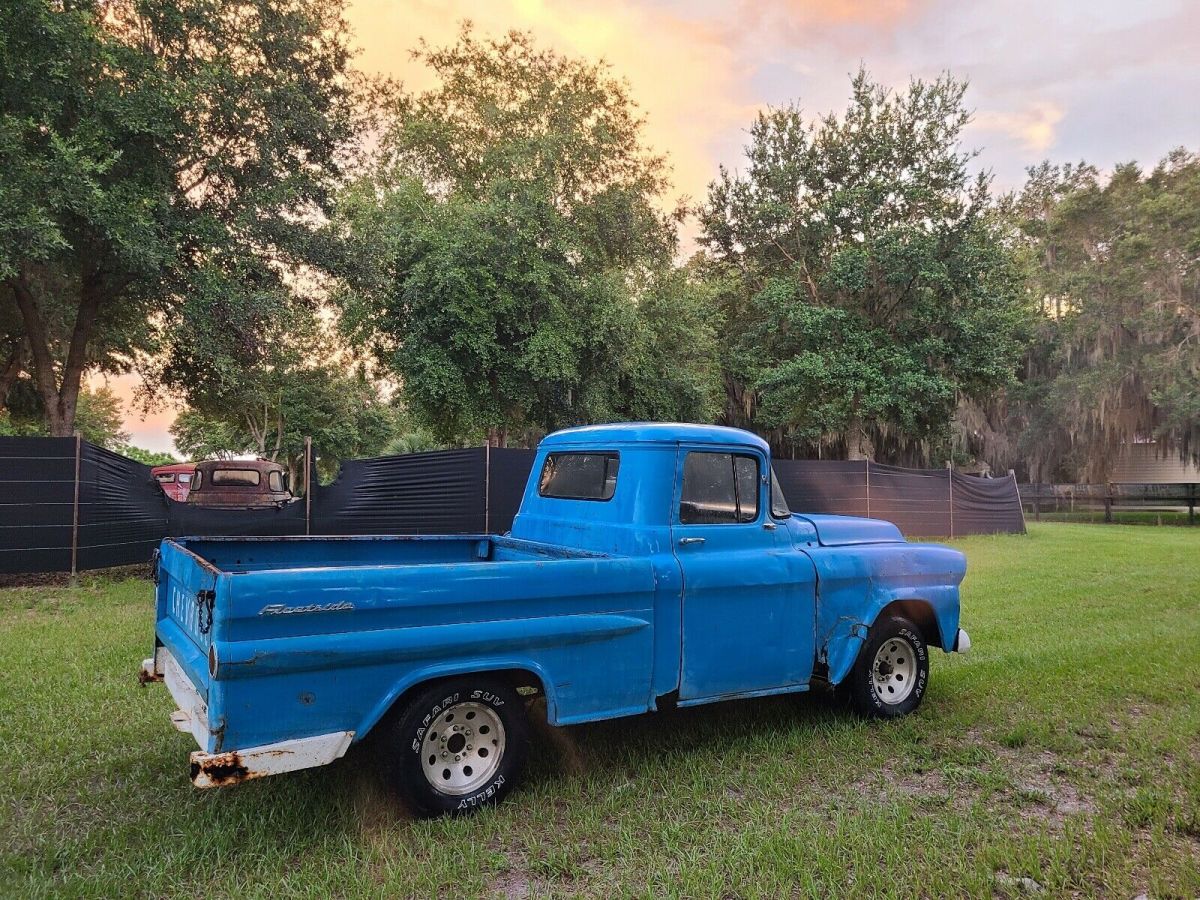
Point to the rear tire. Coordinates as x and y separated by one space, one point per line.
892 670
458 746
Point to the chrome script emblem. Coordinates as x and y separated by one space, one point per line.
279 609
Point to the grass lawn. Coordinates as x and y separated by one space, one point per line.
1065 749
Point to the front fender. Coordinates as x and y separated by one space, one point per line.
856 584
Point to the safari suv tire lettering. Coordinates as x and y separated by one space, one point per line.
894 645
409 738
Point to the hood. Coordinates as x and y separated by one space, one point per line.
838 531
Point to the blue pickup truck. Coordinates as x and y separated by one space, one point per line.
649 565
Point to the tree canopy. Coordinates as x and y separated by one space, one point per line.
204 191
1117 277
519 273
164 161
869 283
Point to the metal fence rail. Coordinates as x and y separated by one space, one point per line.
1112 500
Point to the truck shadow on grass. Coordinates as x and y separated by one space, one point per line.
569 762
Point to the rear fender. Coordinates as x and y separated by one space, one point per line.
420 677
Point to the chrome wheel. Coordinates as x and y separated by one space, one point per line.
894 672
462 749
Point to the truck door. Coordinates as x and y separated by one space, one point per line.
748 596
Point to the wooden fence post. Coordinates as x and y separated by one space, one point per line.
1020 503
1108 503
950 492
867 468
487 488
1192 503
75 513
308 484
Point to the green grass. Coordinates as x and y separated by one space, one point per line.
1064 749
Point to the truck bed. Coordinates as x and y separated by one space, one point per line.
258 554
306 636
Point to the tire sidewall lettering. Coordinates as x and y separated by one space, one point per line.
481 796
438 708
894 710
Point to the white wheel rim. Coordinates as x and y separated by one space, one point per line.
462 749
894 673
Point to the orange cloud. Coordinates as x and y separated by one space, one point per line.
876 12
1034 127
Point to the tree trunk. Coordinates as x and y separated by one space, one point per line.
858 444
497 436
59 400
8 376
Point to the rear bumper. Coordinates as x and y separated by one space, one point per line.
235 766
962 642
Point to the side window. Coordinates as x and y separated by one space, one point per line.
719 489
275 481
197 477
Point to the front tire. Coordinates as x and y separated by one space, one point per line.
458 746
892 670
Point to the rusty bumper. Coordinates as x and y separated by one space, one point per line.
236 766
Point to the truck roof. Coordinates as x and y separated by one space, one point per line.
652 433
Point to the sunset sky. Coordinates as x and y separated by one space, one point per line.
1106 80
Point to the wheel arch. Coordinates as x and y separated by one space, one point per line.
516 674
920 611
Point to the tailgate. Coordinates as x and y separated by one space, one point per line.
186 607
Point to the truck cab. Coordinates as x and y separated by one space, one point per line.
649 565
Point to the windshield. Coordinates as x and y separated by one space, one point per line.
779 507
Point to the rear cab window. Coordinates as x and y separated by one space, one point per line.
580 476
719 489
236 477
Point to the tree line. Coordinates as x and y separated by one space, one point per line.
208 194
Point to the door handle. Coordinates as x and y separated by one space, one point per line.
683 542
769 526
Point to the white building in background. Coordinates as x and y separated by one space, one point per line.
1145 464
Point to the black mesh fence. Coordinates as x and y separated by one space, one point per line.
440 492
122 513
37 504
987 505
922 502
824 485
508 470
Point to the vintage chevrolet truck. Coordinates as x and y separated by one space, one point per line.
649 565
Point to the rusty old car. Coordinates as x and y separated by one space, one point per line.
239 484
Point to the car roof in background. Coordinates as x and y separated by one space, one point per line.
173 467
257 465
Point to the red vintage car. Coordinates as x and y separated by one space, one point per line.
175 479
239 484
